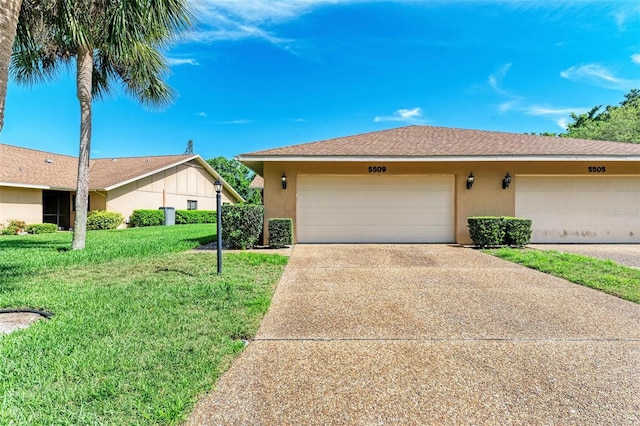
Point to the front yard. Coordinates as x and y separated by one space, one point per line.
140 329
604 275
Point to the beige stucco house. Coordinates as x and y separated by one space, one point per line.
411 184
38 186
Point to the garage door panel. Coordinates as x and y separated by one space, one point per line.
405 217
376 208
580 209
377 234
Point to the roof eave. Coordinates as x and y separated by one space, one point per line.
36 186
255 163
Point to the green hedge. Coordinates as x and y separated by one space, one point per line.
280 232
184 217
102 219
241 225
493 231
147 217
42 228
14 227
486 231
517 231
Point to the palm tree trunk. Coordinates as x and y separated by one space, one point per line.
9 12
83 85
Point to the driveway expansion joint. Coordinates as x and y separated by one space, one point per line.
472 339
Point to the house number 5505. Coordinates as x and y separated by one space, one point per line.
377 169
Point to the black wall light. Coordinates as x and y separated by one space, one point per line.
506 181
284 181
470 180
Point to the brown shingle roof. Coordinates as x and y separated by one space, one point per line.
23 166
257 182
40 169
428 141
107 172
29 167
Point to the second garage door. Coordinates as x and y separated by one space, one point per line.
375 208
580 209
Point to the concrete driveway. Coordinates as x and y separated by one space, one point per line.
431 334
624 254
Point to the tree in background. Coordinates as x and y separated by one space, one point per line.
112 40
189 149
9 13
615 123
238 176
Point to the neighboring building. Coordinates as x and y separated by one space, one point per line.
409 184
38 186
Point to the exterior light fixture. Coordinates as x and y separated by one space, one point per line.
470 180
284 181
506 181
218 187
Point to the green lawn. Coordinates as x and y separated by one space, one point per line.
140 327
605 275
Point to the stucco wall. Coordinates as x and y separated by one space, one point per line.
20 203
169 188
485 198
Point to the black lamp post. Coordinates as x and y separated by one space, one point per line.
218 186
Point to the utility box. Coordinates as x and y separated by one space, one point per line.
169 215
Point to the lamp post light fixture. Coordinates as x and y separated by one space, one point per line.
470 180
506 181
218 187
284 181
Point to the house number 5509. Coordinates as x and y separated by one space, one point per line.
377 169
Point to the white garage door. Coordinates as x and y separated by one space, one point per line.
585 209
375 208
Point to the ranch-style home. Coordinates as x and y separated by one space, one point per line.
39 187
421 183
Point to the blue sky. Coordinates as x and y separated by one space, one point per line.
257 74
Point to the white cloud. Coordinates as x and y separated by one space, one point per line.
249 19
508 105
202 114
495 79
563 123
635 58
598 75
181 61
560 116
536 110
241 121
404 115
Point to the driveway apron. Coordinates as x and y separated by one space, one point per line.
431 334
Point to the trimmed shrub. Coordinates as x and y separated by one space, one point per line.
147 217
102 219
280 232
486 231
517 231
14 227
184 217
241 225
42 228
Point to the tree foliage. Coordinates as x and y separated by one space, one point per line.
110 41
238 176
613 123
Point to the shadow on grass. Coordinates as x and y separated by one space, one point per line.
14 244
